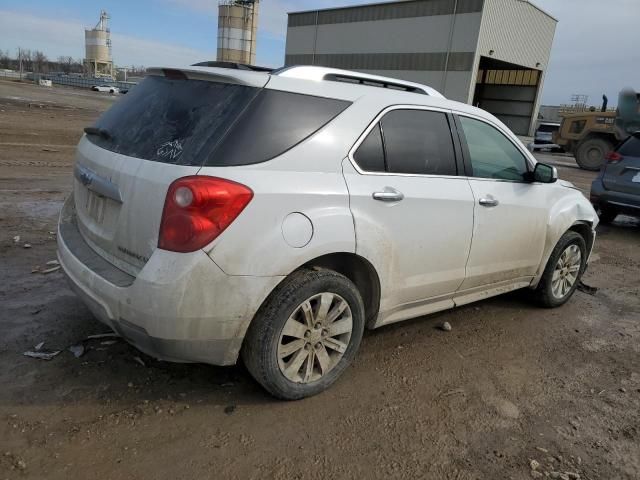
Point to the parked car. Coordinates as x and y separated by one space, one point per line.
616 190
105 88
219 213
543 139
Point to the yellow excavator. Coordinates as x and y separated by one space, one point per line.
591 135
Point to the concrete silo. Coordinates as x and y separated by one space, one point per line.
237 30
98 61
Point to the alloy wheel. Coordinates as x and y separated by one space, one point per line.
565 275
315 338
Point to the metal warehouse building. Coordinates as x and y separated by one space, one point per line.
489 53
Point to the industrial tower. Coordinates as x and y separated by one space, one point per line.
98 61
237 29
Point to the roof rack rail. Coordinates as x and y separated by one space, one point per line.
310 72
332 77
233 66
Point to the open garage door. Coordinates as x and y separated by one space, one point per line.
509 92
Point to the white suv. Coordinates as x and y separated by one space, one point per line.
220 212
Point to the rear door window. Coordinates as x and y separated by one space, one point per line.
197 122
409 141
419 142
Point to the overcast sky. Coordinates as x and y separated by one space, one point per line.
596 48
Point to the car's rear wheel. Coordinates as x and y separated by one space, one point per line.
305 335
563 271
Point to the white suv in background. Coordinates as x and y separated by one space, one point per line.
221 212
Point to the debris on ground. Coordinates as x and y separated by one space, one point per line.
445 326
16 239
53 267
39 346
77 350
103 335
457 391
140 361
26 245
108 342
50 270
584 288
229 409
42 354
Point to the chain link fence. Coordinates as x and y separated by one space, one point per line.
69 80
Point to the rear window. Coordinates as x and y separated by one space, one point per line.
630 148
548 128
195 122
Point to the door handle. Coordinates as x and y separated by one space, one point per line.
489 202
388 195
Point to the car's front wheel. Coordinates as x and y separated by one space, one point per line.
305 335
563 271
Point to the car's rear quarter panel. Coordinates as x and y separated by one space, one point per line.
306 179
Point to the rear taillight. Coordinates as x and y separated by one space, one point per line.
613 157
198 209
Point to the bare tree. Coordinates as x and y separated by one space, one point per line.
40 62
5 59
65 63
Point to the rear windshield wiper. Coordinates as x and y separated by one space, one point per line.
101 132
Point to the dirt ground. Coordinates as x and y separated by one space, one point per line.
510 384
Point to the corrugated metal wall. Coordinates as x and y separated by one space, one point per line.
517 31
410 40
389 11
435 61
417 40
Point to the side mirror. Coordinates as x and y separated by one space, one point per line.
544 173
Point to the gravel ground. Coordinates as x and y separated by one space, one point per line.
512 391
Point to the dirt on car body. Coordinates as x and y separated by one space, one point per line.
511 391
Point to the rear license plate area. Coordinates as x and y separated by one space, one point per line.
95 206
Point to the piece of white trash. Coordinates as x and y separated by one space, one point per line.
42 355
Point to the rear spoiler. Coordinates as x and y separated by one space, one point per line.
234 66
249 78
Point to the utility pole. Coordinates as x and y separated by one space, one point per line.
20 61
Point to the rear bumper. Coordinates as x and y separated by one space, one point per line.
180 307
624 202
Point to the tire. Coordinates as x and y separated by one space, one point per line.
266 341
591 152
545 293
607 214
